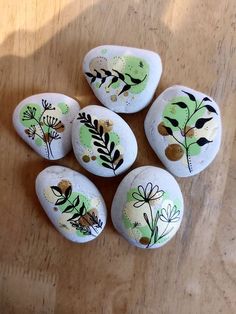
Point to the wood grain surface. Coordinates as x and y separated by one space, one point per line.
42 45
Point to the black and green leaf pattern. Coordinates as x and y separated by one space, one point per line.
108 153
82 219
44 126
187 128
104 75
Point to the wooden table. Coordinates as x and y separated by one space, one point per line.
42 45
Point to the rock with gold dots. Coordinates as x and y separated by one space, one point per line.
103 142
72 202
44 122
147 208
183 126
124 79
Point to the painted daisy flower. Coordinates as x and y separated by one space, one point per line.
147 194
169 214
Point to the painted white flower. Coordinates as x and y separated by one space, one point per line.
147 194
170 214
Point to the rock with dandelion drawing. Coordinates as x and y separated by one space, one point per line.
72 202
124 79
147 208
44 122
183 127
103 142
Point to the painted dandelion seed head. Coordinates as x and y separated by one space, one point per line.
51 122
31 131
29 114
169 214
46 105
54 135
147 194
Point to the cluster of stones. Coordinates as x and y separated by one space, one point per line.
183 126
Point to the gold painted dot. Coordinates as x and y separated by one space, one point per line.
106 124
161 129
63 185
86 158
144 240
113 98
190 133
93 157
174 152
126 94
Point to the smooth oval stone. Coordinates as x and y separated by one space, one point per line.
147 208
72 202
103 142
183 127
124 79
44 122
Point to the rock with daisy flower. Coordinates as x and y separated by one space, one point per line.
44 122
183 126
72 202
103 142
148 207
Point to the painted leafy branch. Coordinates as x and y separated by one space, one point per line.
110 156
185 131
169 215
44 127
115 76
83 220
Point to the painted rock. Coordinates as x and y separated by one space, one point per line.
124 79
103 142
44 121
183 127
72 202
147 208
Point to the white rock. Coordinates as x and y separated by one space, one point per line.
44 121
183 127
72 202
147 208
103 142
124 79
